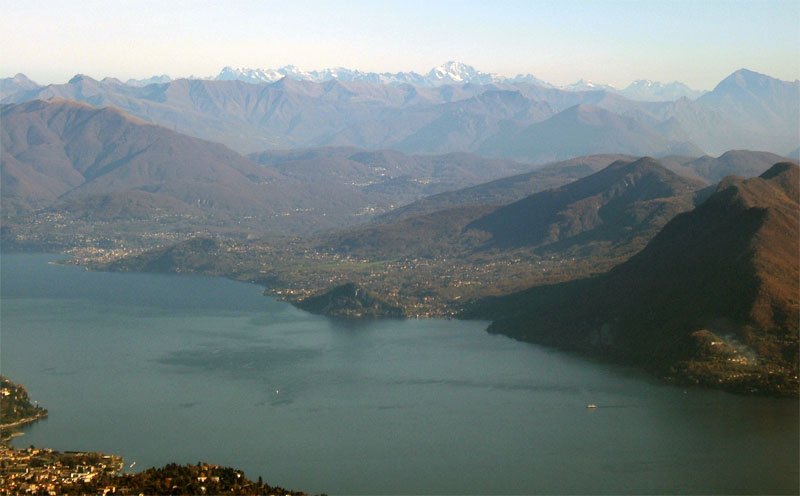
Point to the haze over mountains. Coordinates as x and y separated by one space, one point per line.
117 169
58 153
746 110
61 151
451 72
610 213
706 169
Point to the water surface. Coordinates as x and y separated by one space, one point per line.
163 368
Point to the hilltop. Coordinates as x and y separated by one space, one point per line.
712 299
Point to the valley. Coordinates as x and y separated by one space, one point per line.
314 242
362 227
357 232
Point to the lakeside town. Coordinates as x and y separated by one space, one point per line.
45 471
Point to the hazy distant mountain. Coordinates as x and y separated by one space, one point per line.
767 108
584 85
583 130
742 163
456 72
491 118
654 91
151 80
508 189
713 298
75 157
528 79
287 113
20 82
451 72
388 178
64 149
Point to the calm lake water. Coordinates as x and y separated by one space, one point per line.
163 368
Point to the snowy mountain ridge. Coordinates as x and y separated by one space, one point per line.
454 72
451 72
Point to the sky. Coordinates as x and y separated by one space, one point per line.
698 42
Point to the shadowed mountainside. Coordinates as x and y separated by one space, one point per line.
618 205
612 212
743 163
712 299
507 189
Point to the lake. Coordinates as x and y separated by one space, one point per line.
161 368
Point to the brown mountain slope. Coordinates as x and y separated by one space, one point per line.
508 189
68 149
712 299
610 214
625 203
124 205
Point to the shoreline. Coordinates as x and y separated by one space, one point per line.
669 376
20 422
8 436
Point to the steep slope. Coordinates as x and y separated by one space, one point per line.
712 299
463 125
124 205
79 150
609 214
584 130
766 107
20 82
58 153
508 189
624 204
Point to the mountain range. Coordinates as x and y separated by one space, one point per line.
490 119
502 184
71 156
610 213
712 299
706 169
75 158
451 72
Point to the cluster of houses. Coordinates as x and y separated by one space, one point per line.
44 471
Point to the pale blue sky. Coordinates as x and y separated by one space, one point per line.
697 42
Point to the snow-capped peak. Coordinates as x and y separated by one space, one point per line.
587 85
646 89
451 72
